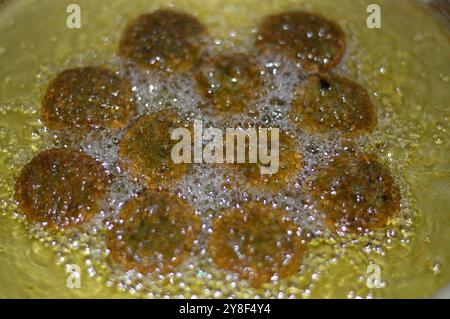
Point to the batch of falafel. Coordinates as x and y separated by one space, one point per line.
63 188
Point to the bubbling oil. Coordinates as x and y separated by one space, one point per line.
206 188
207 191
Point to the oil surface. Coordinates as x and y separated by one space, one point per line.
403 65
